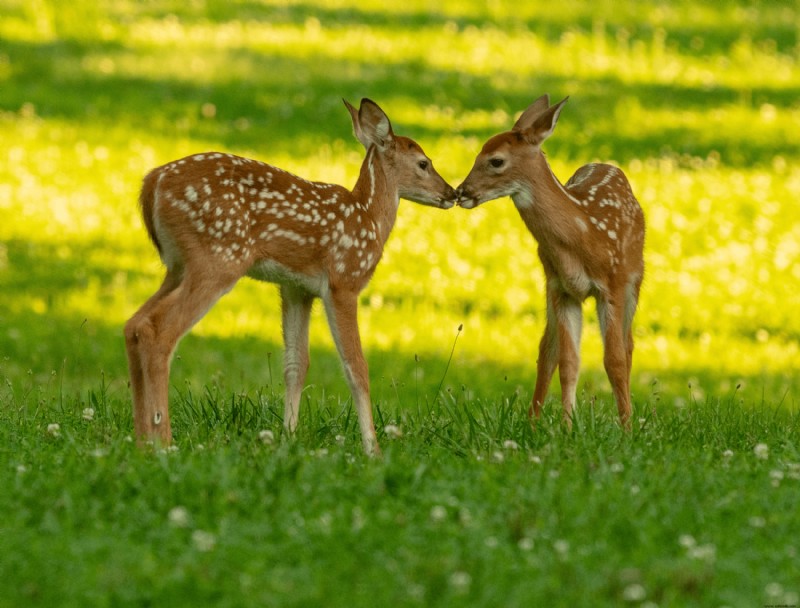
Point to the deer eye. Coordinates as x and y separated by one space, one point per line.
423 164
496 162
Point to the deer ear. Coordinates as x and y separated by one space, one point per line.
532 112
544 124
370 124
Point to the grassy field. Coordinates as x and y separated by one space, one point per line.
469 506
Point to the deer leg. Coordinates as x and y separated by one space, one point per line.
570 323
618 345
296 313
548 358
341 308
138 320
151 337
631 301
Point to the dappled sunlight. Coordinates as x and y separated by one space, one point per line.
696 104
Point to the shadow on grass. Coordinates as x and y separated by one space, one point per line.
50 354
285 103
41 345
700 38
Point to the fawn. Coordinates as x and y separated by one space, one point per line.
216 218
590 234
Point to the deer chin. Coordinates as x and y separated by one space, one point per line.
438 203
467 203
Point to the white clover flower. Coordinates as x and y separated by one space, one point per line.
88 414
510 444
727 454
54 429
393 431
687 541
561 547
498 456
359 519
634 593
761 450
267 437
525 543
773 589
438 513
705 553
535 459
617 467
203 541
179 517
339 439
776 477
460 581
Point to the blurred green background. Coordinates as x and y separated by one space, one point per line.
698 103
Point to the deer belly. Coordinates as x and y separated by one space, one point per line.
575 281
275 272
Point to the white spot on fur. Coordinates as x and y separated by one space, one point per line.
191 194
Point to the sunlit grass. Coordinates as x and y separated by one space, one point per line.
692 103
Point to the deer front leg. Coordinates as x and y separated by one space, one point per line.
296 314
341 307
570 322
546 363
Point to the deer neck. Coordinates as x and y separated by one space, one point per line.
550 212
377 193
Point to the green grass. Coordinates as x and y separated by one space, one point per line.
696 507
697 104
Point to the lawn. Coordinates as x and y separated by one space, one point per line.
469 506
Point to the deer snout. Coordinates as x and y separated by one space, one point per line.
465 199
450 197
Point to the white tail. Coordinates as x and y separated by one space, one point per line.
591 239
217 217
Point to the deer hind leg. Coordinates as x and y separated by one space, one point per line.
296 313
151 337
617 358
631 302
133 329
341 308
